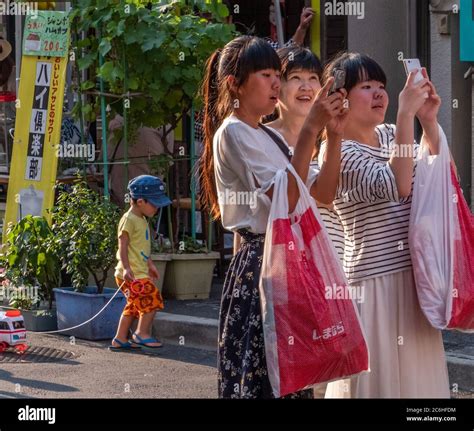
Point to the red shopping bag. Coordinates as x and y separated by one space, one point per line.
311 325
462 309
441 239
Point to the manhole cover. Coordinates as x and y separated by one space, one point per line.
37 354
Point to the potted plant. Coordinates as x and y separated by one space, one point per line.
32 271
85 232
160 255
190 270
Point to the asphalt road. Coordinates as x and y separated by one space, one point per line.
88 370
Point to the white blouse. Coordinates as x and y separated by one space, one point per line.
246 161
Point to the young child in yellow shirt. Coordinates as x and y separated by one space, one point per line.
135 270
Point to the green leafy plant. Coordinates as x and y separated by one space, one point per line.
160 165
161 245
31 259
189 245
85 229
153 55
21 300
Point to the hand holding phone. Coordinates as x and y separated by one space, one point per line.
412 64
339 80
414 95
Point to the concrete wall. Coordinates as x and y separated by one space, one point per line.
447 72
389 28
441 60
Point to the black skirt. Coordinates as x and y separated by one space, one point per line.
242 368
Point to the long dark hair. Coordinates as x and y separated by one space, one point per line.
239 58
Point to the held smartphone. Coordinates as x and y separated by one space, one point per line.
339 80
412 64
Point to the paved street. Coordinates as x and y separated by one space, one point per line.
94 372
54 368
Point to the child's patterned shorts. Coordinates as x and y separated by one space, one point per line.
142 298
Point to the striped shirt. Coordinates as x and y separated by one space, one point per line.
330 218
374 219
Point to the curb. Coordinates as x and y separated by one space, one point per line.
201 333
183 330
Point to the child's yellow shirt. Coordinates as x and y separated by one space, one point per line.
139 248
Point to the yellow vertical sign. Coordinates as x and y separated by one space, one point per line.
38 122
316 28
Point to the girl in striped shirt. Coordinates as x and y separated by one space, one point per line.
373 201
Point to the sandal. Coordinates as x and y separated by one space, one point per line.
122 346
143 342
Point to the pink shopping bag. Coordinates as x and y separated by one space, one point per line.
311 325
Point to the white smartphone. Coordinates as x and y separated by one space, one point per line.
412 64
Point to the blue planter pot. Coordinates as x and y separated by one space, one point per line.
74 308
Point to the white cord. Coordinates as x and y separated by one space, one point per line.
87 321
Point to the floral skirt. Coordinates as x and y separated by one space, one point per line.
242 368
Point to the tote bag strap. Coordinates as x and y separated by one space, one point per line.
283 147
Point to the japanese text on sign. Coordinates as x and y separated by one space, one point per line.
34 157
46 34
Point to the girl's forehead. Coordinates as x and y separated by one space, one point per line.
365 81
266 69
258 73
302 70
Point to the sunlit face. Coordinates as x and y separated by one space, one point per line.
298 92
368 102
259 93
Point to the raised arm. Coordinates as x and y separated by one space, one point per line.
428 116
305 22
324 108
411 98
325 186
